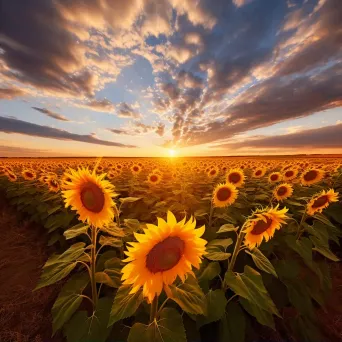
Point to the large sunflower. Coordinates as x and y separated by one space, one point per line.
136 169
224 195
283 191
321 201
154 178
28 174
236 177
263 224
161 254
90 195
311 176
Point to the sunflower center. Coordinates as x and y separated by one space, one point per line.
274 177
282 191
165 255
29 174
212 172
311 175
135 168
154 178
223 194
258 173
92 197
261 226
320 201
289 174
234 177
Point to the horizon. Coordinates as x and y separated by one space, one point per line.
151 78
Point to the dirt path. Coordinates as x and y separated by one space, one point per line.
24 315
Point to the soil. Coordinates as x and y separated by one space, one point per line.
24 313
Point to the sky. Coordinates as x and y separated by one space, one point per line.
141 77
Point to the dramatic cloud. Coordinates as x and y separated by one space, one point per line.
325 137
103 105
9 125
15 151
139 128
11 93
127 111
51 114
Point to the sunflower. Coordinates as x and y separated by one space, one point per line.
224 195
311 176
91 196
213 172
236 177
274 177
283 191
28 174
154 178
290 174
53 184
161 254
321 201
263 224
11 176
136 169
259 172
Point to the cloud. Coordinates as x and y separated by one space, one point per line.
326 137
9 125
127 111
103 105
15 151
11 93
51 114
139 128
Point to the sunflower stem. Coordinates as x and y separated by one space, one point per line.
299 231
154 309
211 216
93 265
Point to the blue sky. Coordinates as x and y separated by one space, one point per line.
140 77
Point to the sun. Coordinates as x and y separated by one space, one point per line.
172 153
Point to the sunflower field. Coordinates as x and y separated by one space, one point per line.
183 249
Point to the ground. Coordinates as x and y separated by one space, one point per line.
25 314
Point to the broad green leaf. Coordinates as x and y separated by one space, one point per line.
110 241
167 328
262 316
303 247
323 249
297 204
249 285
69 255
261 261
233 324
76 230
200 213
114 230
224 243
54 273
54 209
68 300
188 296
132 224
216 305
227 228
211 271
215 254
323 219
125 304
82 328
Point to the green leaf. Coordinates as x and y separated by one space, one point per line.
76 230
216 249
323 249
69 255
168 328
110 241
125 304
303 247
233 324
224 243
249 285
262 316
132 224
227 228
261 261
216 305
323 219
200 213
210 272
297 204
114 230
54 273
68 300
215 254
188 296
82 328
53 210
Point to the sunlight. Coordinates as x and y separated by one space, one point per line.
172 153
